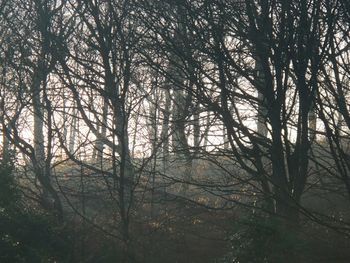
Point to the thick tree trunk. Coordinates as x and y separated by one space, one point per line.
262 107
50 198
180 143
38 134
99 145
262 133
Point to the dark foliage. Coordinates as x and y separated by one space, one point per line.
27 234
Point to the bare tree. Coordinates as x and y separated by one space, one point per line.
98 73
28 69
235 37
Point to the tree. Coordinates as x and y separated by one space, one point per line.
333 91
98 73
285 42
28 64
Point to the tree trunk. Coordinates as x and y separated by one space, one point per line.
98 149
73 131
165 129
196 130
5 146
312 123
38 134
180 143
